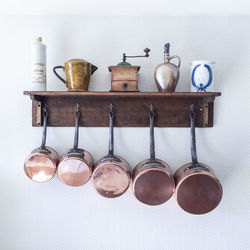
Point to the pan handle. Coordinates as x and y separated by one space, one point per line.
110 156
42 148
152 141
77 117
152 160
75 151
193 139
111 130
195 165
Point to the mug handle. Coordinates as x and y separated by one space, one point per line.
179 60
60 78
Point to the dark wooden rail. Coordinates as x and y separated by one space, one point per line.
131 108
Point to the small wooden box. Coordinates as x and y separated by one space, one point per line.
124 78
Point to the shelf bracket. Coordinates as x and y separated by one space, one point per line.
38 113
207 109
37 102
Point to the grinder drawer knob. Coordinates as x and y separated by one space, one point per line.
125 85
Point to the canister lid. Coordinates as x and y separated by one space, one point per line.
123 64
202 62
39 39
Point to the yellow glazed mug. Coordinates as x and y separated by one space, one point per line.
78 73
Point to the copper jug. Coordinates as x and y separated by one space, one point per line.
167 74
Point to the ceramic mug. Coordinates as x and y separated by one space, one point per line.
78 73
202 76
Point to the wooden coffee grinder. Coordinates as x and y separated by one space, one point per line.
124 76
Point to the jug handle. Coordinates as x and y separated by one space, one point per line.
179 60
93 69
54 70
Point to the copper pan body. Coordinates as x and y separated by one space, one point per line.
75 170
111 178
153 184
197 191
40 166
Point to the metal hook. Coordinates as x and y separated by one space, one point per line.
111 108
45 110
78 110
192 112
151 111
78 107
45 107
151 107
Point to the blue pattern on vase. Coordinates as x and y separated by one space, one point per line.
201 87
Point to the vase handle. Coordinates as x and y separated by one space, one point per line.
179 60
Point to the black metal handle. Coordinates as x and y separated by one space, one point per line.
152 160
195 165
77 117
45 120
93 69
152 140
146 50
110 156
193 139
111 130
59 77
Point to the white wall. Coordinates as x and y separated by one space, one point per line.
54 216
128 7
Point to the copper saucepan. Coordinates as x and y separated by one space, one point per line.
76 165
41 165
153 183
198 191
111 176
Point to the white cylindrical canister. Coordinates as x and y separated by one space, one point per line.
38 65
202 77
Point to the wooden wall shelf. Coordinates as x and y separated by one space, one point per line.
131 108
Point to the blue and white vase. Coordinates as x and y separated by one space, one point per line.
202 78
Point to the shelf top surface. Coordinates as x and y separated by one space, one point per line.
120 94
